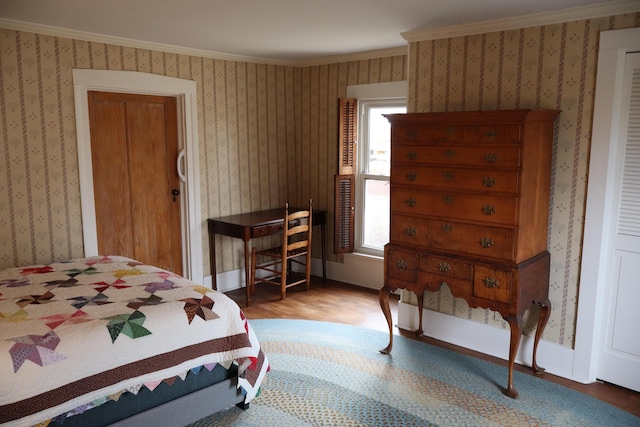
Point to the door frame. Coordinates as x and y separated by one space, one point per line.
187 107
596 263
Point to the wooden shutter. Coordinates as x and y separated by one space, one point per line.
345 179
344 214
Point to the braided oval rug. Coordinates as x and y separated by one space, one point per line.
329 374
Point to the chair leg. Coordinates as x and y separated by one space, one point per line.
283 278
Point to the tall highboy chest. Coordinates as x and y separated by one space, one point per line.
470 209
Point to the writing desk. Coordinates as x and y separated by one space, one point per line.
247 226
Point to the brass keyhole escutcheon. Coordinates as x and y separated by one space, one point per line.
490 157
411 176
486 242
443 267
490 282
402 264
410 231
447 228
489 181
412 155
411 202
488 209
412 134
448 199
448 175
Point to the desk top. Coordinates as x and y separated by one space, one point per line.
261 217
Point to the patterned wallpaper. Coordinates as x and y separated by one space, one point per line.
551 67
267 134
281 123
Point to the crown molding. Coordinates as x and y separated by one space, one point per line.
359 56
49 30
599 10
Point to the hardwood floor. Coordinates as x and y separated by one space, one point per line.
338 302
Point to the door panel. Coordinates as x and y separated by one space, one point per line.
134 149
619 360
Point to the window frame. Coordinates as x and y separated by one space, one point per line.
362 175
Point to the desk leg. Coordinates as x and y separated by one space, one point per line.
323 238
212 261
247 272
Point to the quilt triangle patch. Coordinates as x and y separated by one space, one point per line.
129 324
37 348
199 307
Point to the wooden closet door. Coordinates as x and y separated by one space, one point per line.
134 149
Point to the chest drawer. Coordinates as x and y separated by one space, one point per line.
488 179
493 209
492 283
409 229
401 264
437 133
446 267
460 155
471 239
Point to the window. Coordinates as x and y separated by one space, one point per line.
373 173
362 182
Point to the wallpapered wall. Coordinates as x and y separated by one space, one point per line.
278 122
268 115
550 67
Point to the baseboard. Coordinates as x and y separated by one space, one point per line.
556 359
361 270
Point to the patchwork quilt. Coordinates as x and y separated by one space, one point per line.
72 333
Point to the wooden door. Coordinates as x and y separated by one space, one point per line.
134 148
619 359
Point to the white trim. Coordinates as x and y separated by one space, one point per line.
358 56
379 90
611 8
614 45
487 339
12 24
135 82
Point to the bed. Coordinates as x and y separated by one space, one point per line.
108 340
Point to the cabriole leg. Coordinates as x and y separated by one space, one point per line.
515 323
383 296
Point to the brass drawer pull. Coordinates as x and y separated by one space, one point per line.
489 181
449 154
411 202
412 155
486 242
402 264
448 175
490 282
490 157
488 209
447 228
443 267
448 199
411 176
410 231
412 134
492 134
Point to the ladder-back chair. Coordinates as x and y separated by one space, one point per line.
294 250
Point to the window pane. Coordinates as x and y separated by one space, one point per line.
380 140
376 214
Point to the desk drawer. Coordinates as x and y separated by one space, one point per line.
266 230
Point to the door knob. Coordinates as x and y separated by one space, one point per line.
175 193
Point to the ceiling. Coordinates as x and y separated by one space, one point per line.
280 30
